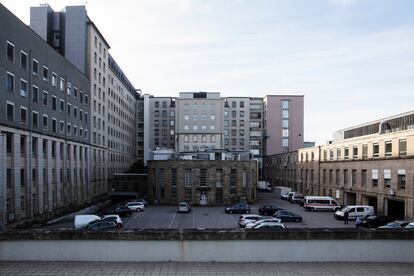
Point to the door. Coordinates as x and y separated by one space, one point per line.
203 198
351 213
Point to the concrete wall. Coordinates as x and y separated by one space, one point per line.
321 245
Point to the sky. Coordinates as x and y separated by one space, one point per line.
353 60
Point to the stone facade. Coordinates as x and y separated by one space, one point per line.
374 169
202 182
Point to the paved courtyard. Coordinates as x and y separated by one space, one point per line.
171 268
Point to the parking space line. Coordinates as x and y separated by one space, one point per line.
130 220
169 227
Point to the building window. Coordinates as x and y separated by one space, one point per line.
9 143
23 60
364 151
387 179
374 178
203 177
23 115
45 122
45 95
388 148
363 177
188 178
285 104
45 73
345 176
354 177
346 153
375 149
35 119
355 152
35 67
331 154
62 84
10 111
285 123
35 94
401 179
54 102
10 51
219 178
53 124
23 88
54 79
325 155
402 147
10 82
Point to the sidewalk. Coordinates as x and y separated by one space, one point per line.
202 269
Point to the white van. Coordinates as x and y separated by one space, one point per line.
321 203
82 220
355 211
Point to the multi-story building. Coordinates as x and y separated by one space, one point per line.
204 120
367 164
113 100
45 118
283 123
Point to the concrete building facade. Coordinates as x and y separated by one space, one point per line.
45 119
367 164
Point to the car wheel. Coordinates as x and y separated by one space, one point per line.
230 212
297 220
138 210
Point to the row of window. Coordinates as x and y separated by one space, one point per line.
203 138
45 123
10 82
196 127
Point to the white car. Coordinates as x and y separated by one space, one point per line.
183 207
253 224
115 218
270 225
136 206
246 219
409 226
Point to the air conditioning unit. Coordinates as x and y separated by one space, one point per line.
11 216
391 192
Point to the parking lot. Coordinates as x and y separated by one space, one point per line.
166 217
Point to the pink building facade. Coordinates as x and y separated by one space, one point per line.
283 123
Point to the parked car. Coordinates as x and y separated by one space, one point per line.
409 226
287 216
238 208
268 210
183 207
136 206
287 196
355 211
115 218
122 211
246 219
375 221
296 198
395 224
100 225
143 201
320 203
82 220
270 225
257 222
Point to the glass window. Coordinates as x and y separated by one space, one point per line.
355 152
374 177
285 114
35 119
23 115
45 122
23 60
402 145
10 82
387 179
375 149
54 79
10 111
10 51
388 148
23 88
45 94
285 123
346 153
364 151
401 179
45 73
285 104
35 67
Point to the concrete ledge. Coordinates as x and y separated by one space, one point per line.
211 234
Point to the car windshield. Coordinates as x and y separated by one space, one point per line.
183 205
345 209
410 226
393 224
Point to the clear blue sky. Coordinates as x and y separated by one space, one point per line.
352 59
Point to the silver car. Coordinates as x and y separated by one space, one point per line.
183 207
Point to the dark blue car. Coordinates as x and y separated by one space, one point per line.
284 215
241 208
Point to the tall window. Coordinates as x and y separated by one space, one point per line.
219 178
401 179
23 60
35 67
203 177
346 153
388 148
23 88
363 177
374 178
402 147
174 177
375 149
10 111
35 94
355 152
9 82
188 180
23 115
364 151
10 51
387 178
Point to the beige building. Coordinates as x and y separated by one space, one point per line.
367 164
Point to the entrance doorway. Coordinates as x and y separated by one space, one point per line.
203 198
395 208
373 201
350 198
